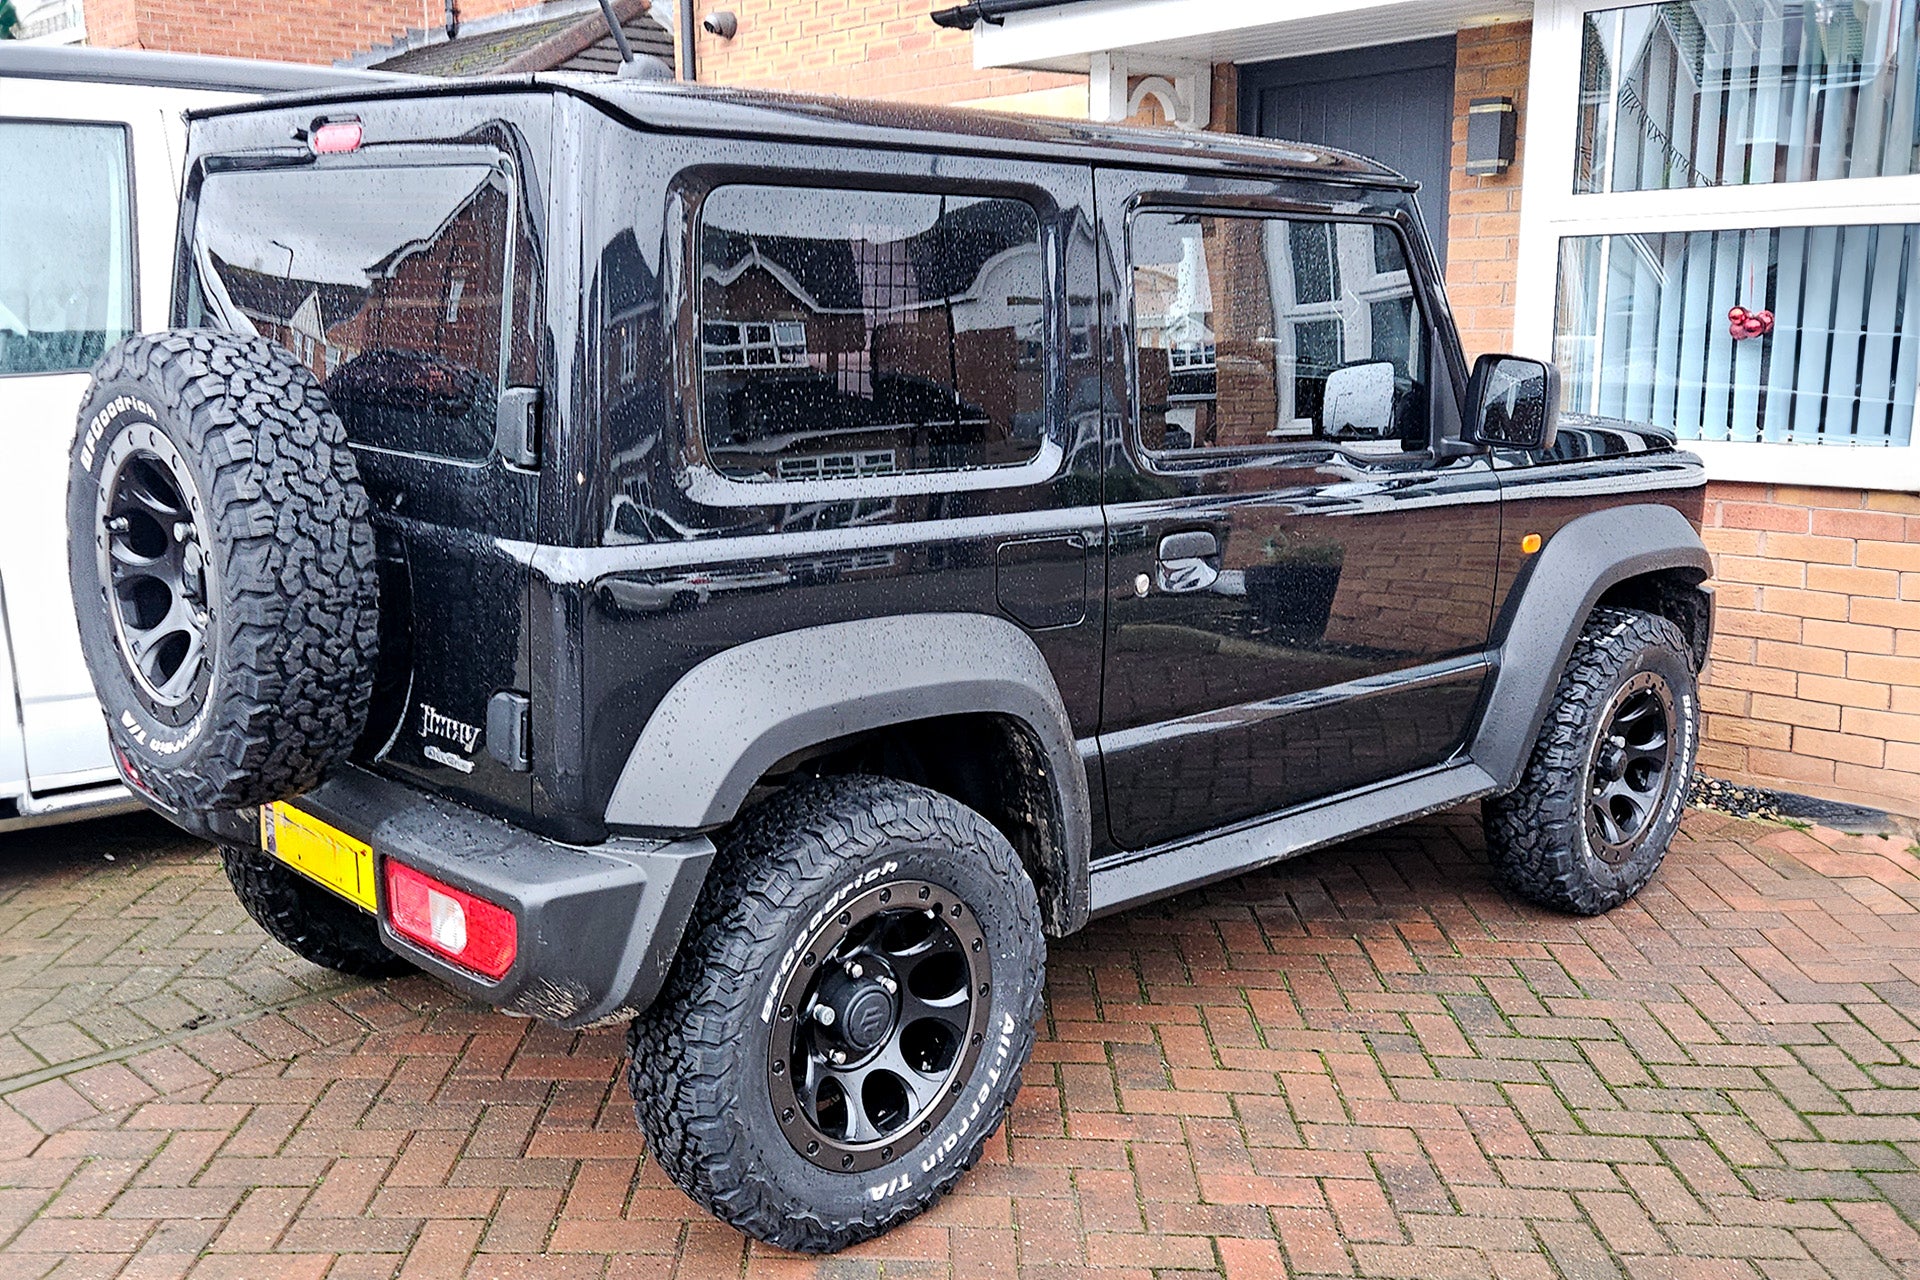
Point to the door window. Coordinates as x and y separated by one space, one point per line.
848 334
1254 331
66 262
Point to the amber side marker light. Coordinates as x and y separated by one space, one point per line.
1530 543
471 932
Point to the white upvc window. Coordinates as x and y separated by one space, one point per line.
1686 159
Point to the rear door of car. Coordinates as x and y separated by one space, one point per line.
404 268
89 211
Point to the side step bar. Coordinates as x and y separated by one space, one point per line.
1128 879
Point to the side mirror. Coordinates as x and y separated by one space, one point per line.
1513 402
1358 402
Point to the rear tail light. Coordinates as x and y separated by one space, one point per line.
472 932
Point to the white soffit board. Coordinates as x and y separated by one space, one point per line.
1063 39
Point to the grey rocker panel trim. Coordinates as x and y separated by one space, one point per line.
733 716
1588 555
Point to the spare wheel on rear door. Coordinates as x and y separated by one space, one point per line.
223 569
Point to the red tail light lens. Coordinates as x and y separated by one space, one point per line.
472 932
336 137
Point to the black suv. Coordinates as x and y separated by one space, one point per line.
757 567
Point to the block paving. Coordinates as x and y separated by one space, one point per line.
1367 1061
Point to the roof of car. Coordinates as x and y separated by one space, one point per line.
680 108
173 70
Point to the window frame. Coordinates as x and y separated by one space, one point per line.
709 485
1552 211
1177 461
131 224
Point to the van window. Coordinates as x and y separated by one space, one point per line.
389 284
66 261
1257 331
857 333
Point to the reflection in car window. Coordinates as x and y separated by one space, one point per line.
389 284
66 263
847 334
1254 330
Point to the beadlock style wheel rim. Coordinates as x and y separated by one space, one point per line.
879 1025
1630 768
155 568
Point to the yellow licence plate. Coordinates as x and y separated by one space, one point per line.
319 852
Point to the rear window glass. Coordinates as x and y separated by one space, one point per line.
858 333
390 284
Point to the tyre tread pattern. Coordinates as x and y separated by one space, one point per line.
308 920
685 1050
1536 833
297 563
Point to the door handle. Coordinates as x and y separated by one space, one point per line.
1196 544
1185 562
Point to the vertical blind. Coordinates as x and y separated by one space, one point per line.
1726 92
1642 332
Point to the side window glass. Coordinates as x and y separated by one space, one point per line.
66 263
393 286
847 334
1251 331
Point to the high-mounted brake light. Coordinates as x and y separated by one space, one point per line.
472 932
336 137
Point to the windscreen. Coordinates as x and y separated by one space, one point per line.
392 285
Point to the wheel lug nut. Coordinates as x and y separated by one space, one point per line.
855 971
823 1014
119 524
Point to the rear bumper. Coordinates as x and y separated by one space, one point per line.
598 926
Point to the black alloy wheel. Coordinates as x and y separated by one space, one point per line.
155 562
879 1023
1629 766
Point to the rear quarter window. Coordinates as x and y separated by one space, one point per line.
846 334
392 285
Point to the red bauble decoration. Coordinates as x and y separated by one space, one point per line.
1743 324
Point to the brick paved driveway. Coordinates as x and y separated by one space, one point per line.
1365 1062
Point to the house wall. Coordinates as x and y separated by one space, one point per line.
250 29
1484 212
858 48
1815 681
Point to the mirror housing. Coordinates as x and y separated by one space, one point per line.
1513 403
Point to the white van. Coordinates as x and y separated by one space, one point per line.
91 142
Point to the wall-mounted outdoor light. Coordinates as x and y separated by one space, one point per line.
1491 131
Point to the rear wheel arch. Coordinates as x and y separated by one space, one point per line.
876 696
994 764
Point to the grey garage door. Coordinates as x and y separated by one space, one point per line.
1392 102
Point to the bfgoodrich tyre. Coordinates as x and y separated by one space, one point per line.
306 919
1606 785
222 564
849 1015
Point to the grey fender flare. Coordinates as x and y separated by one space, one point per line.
1550 604
729 719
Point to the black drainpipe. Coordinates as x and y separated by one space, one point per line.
689 31
453 19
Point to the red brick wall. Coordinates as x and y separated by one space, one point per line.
1815 680
857 48
252 29
1484 222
